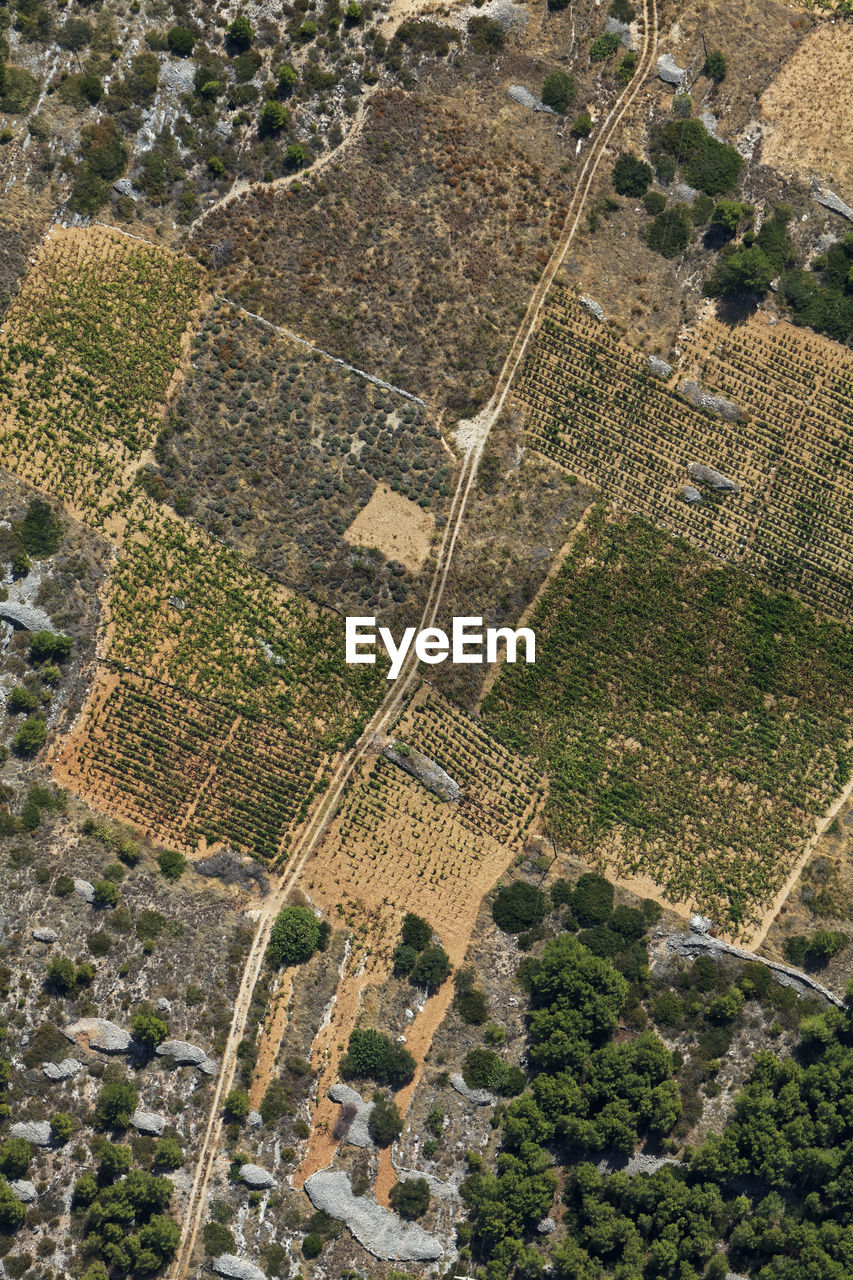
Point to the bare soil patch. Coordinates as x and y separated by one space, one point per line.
395 526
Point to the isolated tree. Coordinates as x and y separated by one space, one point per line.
21 699
716 66
106 893
273 118
410 1198
47 645
169 1154
15 1155
431 968
180 41
582 125
148 1029
631 175
385 1123
286 78
61 1126
61 974
114 1160
116 1103
559 91
240 32
237 1105
172 864
294 936
31 736
416 932
727 215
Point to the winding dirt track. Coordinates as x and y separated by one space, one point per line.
392 704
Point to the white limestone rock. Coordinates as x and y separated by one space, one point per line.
148 1122
23 1190
99 1033
63 1070
228 1264
45 935
36 1132
257 1178
479 1097
85 891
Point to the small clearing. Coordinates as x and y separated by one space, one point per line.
394 525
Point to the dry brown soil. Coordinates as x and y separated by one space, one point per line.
394 525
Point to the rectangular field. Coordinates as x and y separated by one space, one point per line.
693 726
594 406
188 770
89 349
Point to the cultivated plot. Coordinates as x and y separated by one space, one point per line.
90 347
693 726
595 407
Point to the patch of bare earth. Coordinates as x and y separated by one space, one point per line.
394 525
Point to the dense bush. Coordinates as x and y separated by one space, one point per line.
603 45
384 1123
631 176
716 66
487 35
294 936
410 1198
431 968
592 899
116 1103
180 41
172 864
670 231
559 91
376 1056
708 165
740 271
40 531
823 297
518 906
416 932
815 950
240 32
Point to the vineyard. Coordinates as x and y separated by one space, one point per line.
395 843
693 726
185 769
595 407
91 344
191 612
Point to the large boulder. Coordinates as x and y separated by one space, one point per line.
380 1231
23 1190
659 367
594 308
257 1178
43 934
669 71
85 891
99 1033
830 200
713 479
36 1132
427 772
358 1134
188 1055
702 399
63 1070
479 1097
148 1122
228 1264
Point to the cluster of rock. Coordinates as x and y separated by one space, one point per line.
358 1134
379 1230
427 772
705 400
228 1264
659 367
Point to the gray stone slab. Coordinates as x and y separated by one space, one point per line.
380 1231
35 1131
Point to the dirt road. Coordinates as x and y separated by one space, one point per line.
393 703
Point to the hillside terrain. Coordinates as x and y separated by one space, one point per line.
533 313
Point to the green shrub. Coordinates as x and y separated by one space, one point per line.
385 1123
240 32
117 1101
218 1239
410 1198
31 736
487 36
106 893
416 932
312 1246
716 66
47 646
294 936
559 91
374 1055
582 125
592 899
172 864
631 176
180 41
40 530
654 202
518 906
669 233
602 46
273 118
472 1006
431 968
237 1106
22 698
622 11
404 960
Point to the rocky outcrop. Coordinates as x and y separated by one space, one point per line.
427 772
358 1134
830 200
85 891
23 1190
519 94
26 616
668 70
99 1033
594 308
705 400
695 943
713 479
690 494
377 1229
63 1070
254 1119
228 1264
479 1097
148 1122
255 1177
188 1055
35 1131
45 935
